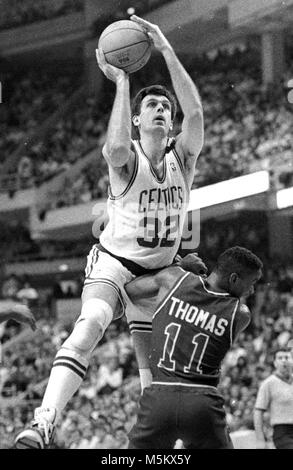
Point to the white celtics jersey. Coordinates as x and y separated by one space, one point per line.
146 220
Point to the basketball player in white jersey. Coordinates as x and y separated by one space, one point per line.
150 182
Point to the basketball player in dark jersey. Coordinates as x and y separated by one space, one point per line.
194 326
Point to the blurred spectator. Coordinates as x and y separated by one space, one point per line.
110 375
15 13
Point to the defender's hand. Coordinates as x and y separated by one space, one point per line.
111 72
158 39
194 264
22 314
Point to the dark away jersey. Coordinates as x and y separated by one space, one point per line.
192 331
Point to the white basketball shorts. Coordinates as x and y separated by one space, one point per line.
102 268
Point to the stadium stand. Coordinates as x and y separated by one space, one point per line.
15 13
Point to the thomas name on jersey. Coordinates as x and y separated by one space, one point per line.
156 199
199 317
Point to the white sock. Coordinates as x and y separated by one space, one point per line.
66 376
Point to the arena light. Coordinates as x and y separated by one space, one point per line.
284 198
63 268
229 190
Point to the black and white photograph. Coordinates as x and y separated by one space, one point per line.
146 228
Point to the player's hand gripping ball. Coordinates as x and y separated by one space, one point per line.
125 45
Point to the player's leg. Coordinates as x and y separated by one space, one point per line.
69 367
139 318
155 427
142 346
202 420
70 364
101 296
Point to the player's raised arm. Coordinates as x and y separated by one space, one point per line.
190 141
118 142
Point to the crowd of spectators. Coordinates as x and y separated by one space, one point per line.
71 138
247 125
16 13
29 97
15 240
249 229
22 12
103 408
17 245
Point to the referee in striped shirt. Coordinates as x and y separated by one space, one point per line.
275 396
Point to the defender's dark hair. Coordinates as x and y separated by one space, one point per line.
154 90
238 260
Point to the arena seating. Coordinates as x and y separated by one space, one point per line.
16 13
31 97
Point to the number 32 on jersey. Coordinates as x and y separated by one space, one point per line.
159 233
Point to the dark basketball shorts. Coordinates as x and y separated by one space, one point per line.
166 413
283 436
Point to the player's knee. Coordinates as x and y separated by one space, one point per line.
95 317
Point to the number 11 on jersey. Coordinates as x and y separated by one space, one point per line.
198 346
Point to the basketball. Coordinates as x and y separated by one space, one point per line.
125 45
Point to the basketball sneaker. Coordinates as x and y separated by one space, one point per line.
40 434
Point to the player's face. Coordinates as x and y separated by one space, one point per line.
155 113
244 286
283 362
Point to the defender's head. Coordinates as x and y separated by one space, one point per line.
238 269
283 360
154 107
